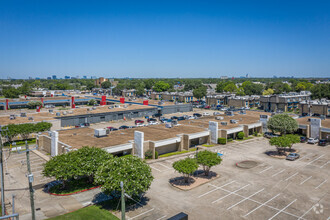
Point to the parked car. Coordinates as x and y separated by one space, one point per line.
303 139
191 117
174 117
292 156
206 114
153 123
165 120
312 141
152 119
181 118
139 122
323 142
207 107
123 127
112 128
224 109
270 135
197 115
216 113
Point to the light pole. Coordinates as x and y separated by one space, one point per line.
2 176
122 201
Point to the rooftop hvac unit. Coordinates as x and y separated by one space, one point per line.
233 121
111 107
51 110
125 106
64 113
31 118
229 113
100 132
242 112
168 125
58 114
174 122
94 108
12 117
223 123
70 112
23 114
117 106
219 118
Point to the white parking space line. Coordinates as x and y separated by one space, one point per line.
266 169
245 199
142 213
315 159
155 168
264 204
325 164
305 180
162 217
164 166
321 184
291 176
230 193
304 156
261 205
282 210
307 211
216 188
278 173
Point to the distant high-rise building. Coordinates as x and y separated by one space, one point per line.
30 77
54 76
49 77
223 77
274 76
247 75
84 77
37 77
67 77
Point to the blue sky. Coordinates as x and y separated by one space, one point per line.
164 38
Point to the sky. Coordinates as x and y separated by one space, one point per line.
142 39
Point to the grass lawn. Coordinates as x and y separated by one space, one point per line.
72 186
245 138
177 152
88 213
208 145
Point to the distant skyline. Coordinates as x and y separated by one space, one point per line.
159 39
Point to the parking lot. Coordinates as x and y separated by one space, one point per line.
274 189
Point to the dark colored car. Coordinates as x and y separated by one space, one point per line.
174 117
151 119
181 118
197 115
270 135
322 142
292 156
316 115
303 139
123 127
139 122
112 128
157 115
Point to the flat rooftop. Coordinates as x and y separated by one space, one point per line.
45 115
304 121
139 100
85 136
249 118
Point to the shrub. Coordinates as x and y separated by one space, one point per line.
240 135
148 154
229 139
156 155
222 141
255 133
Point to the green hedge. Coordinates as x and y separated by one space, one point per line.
240 135
222 141
177 152
229 139
22 142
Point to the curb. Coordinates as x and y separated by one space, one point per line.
68 194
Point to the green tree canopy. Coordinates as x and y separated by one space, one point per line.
106 84
132 171
91 102
268 91
208 159
283 142
186 167
231 87
200 92
282 123
320 91
161 86
34 104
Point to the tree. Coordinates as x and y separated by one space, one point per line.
231 87
208 159
26 129
220 86
89 159
42 126
161 86
240 91
268 91
106 84
252 88
200 92
139 91
283 142
186 167
91 102
300 87
10 132
62 167
240 135
132 171
11 92
282 123
320 91
34 104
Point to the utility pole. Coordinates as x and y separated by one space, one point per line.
122 201
30 178
2 177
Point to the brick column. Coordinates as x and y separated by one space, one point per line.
246 130
185 140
